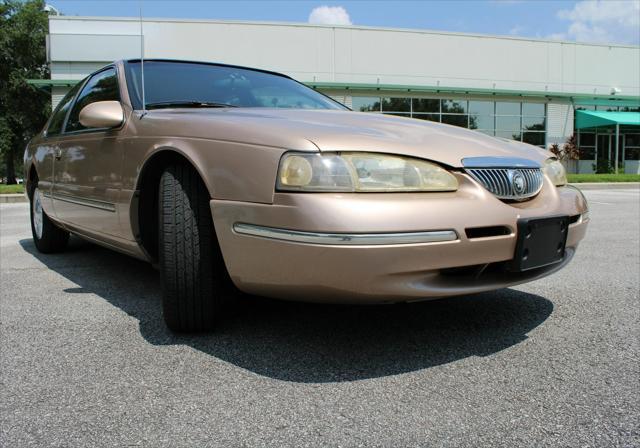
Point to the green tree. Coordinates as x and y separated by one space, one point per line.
23 108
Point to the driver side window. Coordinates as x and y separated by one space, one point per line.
102 86
58 116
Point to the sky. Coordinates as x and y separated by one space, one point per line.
604 21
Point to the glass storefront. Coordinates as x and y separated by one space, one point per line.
597 151
597 146
522 121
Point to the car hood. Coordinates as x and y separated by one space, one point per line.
336 130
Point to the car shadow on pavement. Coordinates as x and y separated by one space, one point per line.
308 342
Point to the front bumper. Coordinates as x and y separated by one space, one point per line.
365 247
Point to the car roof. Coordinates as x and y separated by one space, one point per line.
218 64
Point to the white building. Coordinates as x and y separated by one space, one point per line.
527 89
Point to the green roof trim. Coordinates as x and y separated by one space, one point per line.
466 90
581 98
608 102
593 119
53 82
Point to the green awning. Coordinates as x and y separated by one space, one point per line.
595 119
53 82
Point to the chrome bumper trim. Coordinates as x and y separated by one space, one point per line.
345 238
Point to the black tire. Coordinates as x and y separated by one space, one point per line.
52 238
195 283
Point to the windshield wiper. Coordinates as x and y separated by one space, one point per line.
195 104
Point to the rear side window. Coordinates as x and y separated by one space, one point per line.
57 119
102 86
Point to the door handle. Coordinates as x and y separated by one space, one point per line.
58 153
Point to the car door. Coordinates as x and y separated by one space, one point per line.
88 163
47 148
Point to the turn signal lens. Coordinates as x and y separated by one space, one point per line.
295 171
361 172
556 172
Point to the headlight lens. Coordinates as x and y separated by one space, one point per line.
556 172
361 172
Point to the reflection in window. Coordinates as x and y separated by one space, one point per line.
101 87
507 108
508 119
454 107
456 120
481 107
366 103
533 109
508 123
426 105
481 115
430 117
533 138
511 135
57 120
481 122
396 104
533 123
282 97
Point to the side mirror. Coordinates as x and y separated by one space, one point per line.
102 114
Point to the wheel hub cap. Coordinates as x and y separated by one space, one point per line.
37 213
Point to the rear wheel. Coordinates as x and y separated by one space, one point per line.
195 283
47 237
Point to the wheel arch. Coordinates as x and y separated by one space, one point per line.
144 206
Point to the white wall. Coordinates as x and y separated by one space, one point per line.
586 166
559 123
356 54
632 166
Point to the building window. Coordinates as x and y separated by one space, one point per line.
522 121
481 116
365 103
397 105
534 124
429 105
456 120
587 145
454 106
631 148
429 117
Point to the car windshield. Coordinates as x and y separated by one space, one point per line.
186 84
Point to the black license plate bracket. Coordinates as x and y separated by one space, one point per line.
541 242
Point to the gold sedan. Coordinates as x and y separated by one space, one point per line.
228 177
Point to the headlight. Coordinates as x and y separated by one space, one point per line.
361 172
556 172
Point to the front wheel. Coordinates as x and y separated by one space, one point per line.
195 283
47 237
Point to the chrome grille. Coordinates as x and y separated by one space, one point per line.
509 183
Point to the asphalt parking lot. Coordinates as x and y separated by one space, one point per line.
86 360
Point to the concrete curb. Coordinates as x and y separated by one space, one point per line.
607 185
12 198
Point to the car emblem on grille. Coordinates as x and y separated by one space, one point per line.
518 182
511 179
